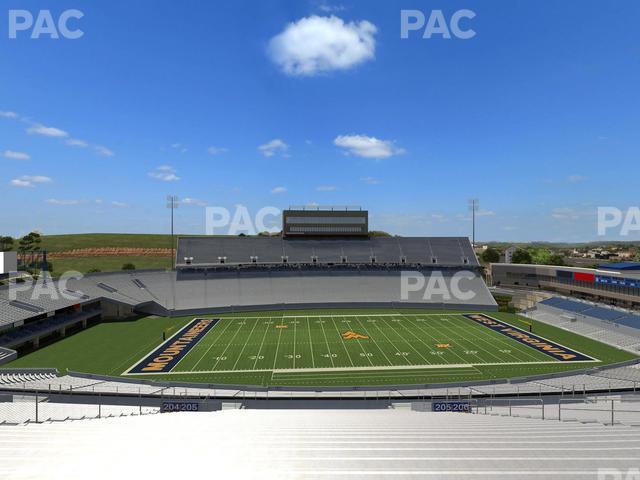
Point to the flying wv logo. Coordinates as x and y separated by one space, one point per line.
351 335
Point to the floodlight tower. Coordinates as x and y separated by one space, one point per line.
474 206
172 203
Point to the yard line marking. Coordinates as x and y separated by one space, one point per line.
508 345
275 357
327 342
261 345
313 361
360 344
245 345
342 340
212 344
409 343
392 344
294 343
435 340
227 347
366 331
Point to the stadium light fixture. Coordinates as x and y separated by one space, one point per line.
474 206
172 203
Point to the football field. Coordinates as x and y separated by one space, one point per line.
355 348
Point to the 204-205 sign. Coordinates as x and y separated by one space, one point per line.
180 407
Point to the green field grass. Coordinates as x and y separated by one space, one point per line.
401 348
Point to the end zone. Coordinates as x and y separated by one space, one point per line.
167 355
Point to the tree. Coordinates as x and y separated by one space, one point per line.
378 233
556 259
30 242
128 266
638 256
521 256
6 244
490 255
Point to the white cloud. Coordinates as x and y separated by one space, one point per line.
104 151
119 204
8 114
367 147
194 201
485 213
326 188
277 190
47 131
53 201
13 155
74 142
165 173
325 7
216 150
576 178
274 147
565 213
319 44
29 181
371 181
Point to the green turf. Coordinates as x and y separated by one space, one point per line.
249 349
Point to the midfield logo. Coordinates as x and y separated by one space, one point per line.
351 335
443 345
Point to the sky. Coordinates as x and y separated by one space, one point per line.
312 102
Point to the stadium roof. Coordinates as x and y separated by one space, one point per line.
620 266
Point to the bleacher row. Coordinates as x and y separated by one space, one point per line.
320 444
24 377
38 329
604 332
232 250
621 317
614 379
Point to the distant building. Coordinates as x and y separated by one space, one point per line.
614 283
325 221
8 262
508 254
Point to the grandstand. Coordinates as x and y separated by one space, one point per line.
321 444
610 325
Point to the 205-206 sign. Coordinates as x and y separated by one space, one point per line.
464 407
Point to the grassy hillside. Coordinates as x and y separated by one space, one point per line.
59 243
65 243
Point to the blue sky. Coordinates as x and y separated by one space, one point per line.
221 103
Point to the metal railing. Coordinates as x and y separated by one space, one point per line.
511 404
604 410
23 409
